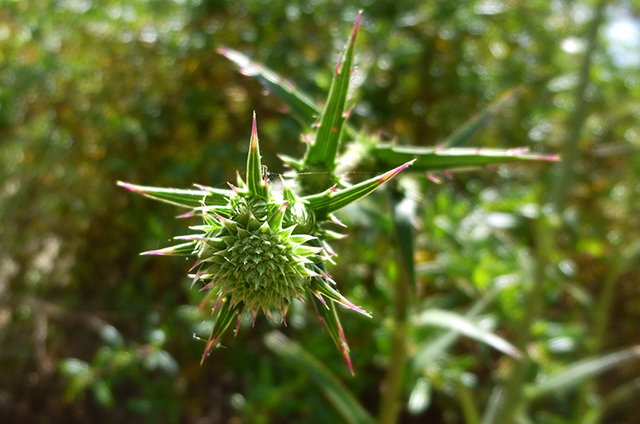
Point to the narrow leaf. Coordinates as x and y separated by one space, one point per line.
580 371
342 400
404 215
301 105
255 180
437 158
328 202
226 314
321 286
329 319
464 134
181 197
467 327
433 349
495 402
185 249
324 149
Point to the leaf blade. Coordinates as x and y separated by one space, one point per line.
186 198
301 105
327 202
582 370
324 149
342 400
467 327
437 159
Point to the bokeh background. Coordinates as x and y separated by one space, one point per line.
92 92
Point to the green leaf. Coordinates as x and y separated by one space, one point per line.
321 286
493 407
324 148
72 367
329 319
301 105
464 325
255 181
464 134
580 371
404 215
436 158
420 397
329 201
225 315
181 197
185 249
102 393
433 349
343 401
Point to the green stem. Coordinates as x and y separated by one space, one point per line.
392 385
571 149
468 404
512 399
602 314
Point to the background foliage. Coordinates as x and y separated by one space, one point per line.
94 92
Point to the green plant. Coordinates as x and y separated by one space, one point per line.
259 249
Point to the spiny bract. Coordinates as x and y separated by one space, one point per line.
257 249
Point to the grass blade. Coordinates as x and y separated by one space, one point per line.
404 216
433 350
464 325
347 406
580 371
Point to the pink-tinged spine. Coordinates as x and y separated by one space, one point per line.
189 214
129 186
210 345
354 33
344 349
235 332
319 296
433 178
388 175
254 134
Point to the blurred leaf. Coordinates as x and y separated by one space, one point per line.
72 367
420 397
495 401
580 371
301 105
102 393
466 132
433 349
111 336
465 326
404 216
344 402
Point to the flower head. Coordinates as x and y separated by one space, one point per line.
257 251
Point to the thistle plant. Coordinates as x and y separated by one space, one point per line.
259 247
262 245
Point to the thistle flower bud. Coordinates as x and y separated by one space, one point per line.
256 251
